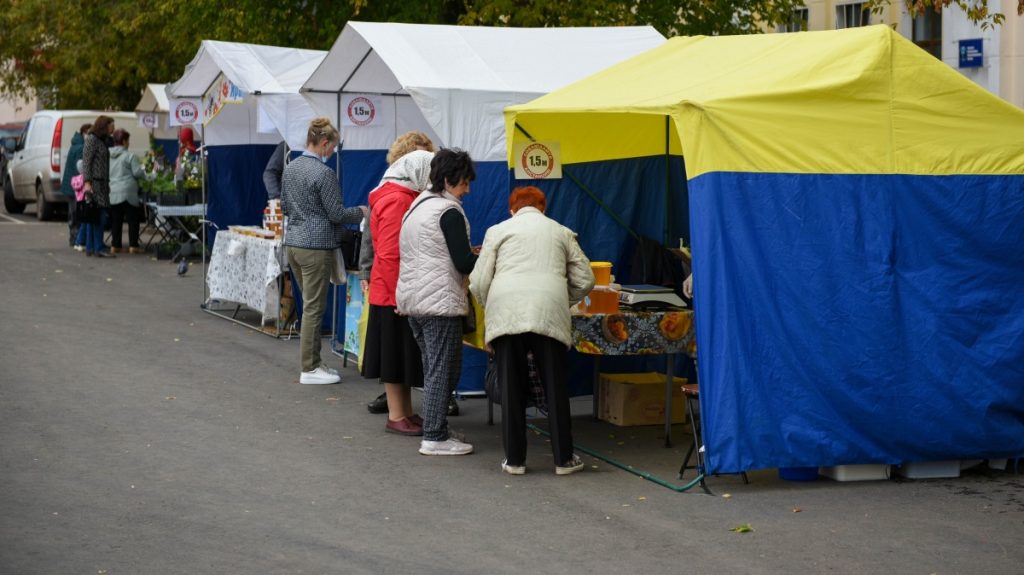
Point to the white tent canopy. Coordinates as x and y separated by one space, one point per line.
270 75
154 101
458 78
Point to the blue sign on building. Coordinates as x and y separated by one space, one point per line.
971 53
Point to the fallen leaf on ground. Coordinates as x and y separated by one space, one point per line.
331 399
797 510
58 271
641 498
110 279
745 528
170 397
176 339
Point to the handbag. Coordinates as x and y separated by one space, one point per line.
536 394
469 320
351 241
87 212
491 387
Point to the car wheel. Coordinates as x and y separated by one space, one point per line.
12 205
44 209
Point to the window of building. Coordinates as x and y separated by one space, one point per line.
852 15
797 23
928 32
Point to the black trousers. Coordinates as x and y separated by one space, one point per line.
118 214
72 220
550 359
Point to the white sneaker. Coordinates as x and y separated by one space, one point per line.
513 469
319 376
450 446
330 370
79 248
572 466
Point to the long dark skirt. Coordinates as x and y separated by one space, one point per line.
391 352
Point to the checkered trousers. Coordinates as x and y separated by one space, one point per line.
440 341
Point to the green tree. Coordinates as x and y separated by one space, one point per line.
977 10
99 54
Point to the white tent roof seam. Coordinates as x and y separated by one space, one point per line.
461 77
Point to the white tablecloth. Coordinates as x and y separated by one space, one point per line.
244 269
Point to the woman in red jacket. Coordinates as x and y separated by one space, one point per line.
391 352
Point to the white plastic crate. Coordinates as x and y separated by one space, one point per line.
930 469
857 472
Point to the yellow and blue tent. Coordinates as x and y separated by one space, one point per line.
856 214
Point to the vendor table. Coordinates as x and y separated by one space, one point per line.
628 332
246 270
166 219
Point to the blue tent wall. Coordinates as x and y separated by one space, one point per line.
361 171
170 148
858 319
235 193
632 188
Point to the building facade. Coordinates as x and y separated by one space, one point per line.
993 58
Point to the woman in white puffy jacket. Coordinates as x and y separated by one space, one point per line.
530 272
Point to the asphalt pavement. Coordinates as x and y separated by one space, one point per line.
139 434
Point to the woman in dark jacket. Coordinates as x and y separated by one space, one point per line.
96 172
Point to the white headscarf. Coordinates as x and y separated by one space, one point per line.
411 170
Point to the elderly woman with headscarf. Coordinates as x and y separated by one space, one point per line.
391 352
530 271
403 144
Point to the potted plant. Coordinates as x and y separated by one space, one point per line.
191 177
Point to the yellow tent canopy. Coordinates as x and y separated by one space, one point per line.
857 101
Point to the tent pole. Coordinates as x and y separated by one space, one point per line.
206 215
668 185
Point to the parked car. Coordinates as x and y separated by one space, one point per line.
8 142
34 169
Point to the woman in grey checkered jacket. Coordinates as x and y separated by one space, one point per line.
311 202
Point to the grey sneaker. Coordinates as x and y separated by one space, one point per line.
513 469
450 446
572 466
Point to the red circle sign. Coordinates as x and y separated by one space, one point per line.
537 161
186 113
361 111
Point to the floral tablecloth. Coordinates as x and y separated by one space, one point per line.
244 269
634 333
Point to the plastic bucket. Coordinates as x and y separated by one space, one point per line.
602 272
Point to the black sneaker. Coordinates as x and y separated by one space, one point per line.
453 406
379 405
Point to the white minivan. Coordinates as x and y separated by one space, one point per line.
35 166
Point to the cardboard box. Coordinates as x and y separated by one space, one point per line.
627 399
